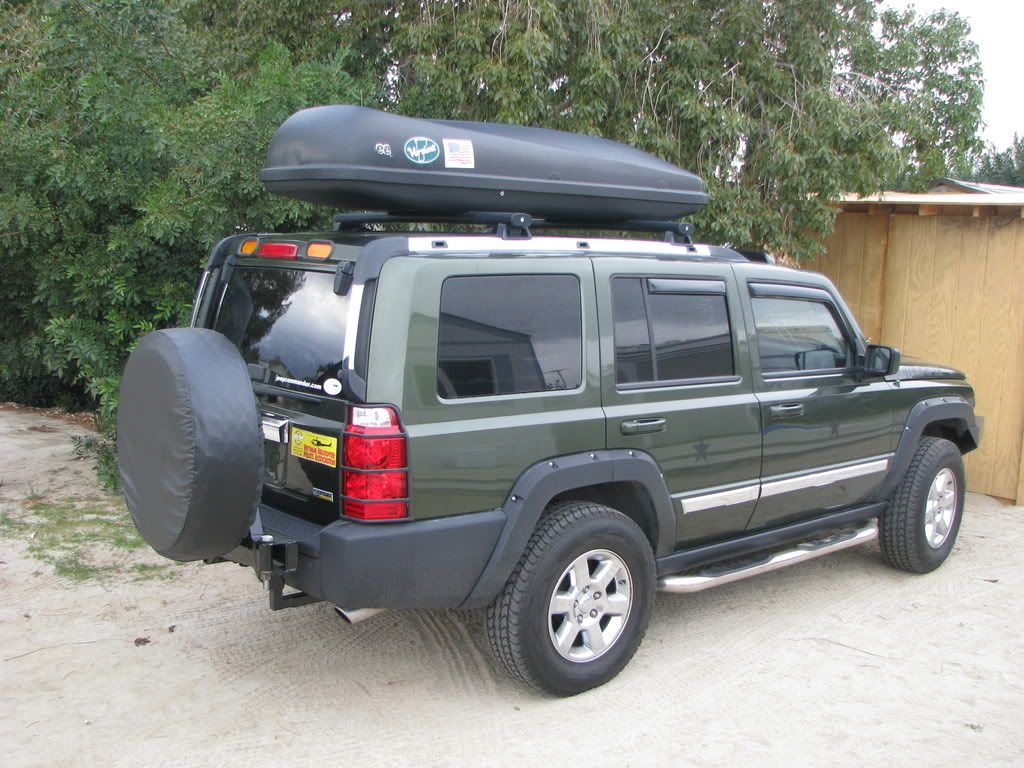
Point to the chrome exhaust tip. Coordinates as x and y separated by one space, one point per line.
357 615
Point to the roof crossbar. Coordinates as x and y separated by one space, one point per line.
516 225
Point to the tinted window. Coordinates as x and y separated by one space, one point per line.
633 361
509 334
691 335
289 320
798 335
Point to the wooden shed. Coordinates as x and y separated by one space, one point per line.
941 276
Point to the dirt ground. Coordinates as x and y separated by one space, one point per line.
839 662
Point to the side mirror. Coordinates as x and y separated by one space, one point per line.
881 361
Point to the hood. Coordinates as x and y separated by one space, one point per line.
915 368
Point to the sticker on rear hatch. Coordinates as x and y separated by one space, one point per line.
313 446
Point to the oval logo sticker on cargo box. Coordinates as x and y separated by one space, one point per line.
421 150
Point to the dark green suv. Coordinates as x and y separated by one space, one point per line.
554 428
547 427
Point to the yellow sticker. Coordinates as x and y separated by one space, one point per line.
312 446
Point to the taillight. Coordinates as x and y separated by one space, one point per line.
374 480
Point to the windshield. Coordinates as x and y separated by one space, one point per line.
289 320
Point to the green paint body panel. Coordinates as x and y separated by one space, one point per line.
465 454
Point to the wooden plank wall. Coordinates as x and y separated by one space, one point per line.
949 289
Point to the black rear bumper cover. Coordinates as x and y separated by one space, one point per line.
415 564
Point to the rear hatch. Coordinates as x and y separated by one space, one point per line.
290 326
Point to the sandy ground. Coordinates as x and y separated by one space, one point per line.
839 662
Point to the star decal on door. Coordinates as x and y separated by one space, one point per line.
702 450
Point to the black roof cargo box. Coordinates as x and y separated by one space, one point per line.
362 159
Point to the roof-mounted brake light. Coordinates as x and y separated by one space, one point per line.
278 251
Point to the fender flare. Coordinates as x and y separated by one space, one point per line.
541 482
927 412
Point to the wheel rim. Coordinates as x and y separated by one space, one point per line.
940 509
590 605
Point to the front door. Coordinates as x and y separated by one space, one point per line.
827 433
676 384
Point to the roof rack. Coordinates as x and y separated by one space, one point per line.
511 226
761 257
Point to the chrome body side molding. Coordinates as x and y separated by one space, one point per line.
825 477
700 501
720 498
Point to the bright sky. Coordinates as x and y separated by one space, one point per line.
996 27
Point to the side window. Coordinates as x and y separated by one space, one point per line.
509 334
633 360
670 330
798 335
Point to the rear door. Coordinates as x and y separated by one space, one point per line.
827 434
676 384
290 326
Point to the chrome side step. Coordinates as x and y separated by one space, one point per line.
807 550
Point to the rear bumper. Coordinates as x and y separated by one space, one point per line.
416 564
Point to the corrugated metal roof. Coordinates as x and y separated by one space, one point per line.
973 186
944 199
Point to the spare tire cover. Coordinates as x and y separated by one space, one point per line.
189 443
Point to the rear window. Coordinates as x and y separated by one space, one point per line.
509 334
289 320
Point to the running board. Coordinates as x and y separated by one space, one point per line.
807 550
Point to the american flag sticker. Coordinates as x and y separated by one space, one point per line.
458 153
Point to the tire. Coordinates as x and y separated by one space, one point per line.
189 443
912 536
521 628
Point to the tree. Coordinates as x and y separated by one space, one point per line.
123 158
930 81
780 105
1006 167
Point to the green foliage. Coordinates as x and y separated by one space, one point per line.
132 133
123 158
1006 167
929 71
779 105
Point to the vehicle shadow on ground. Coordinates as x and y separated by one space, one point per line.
312 652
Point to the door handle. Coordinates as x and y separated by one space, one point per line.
643 426
786 410
274 428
